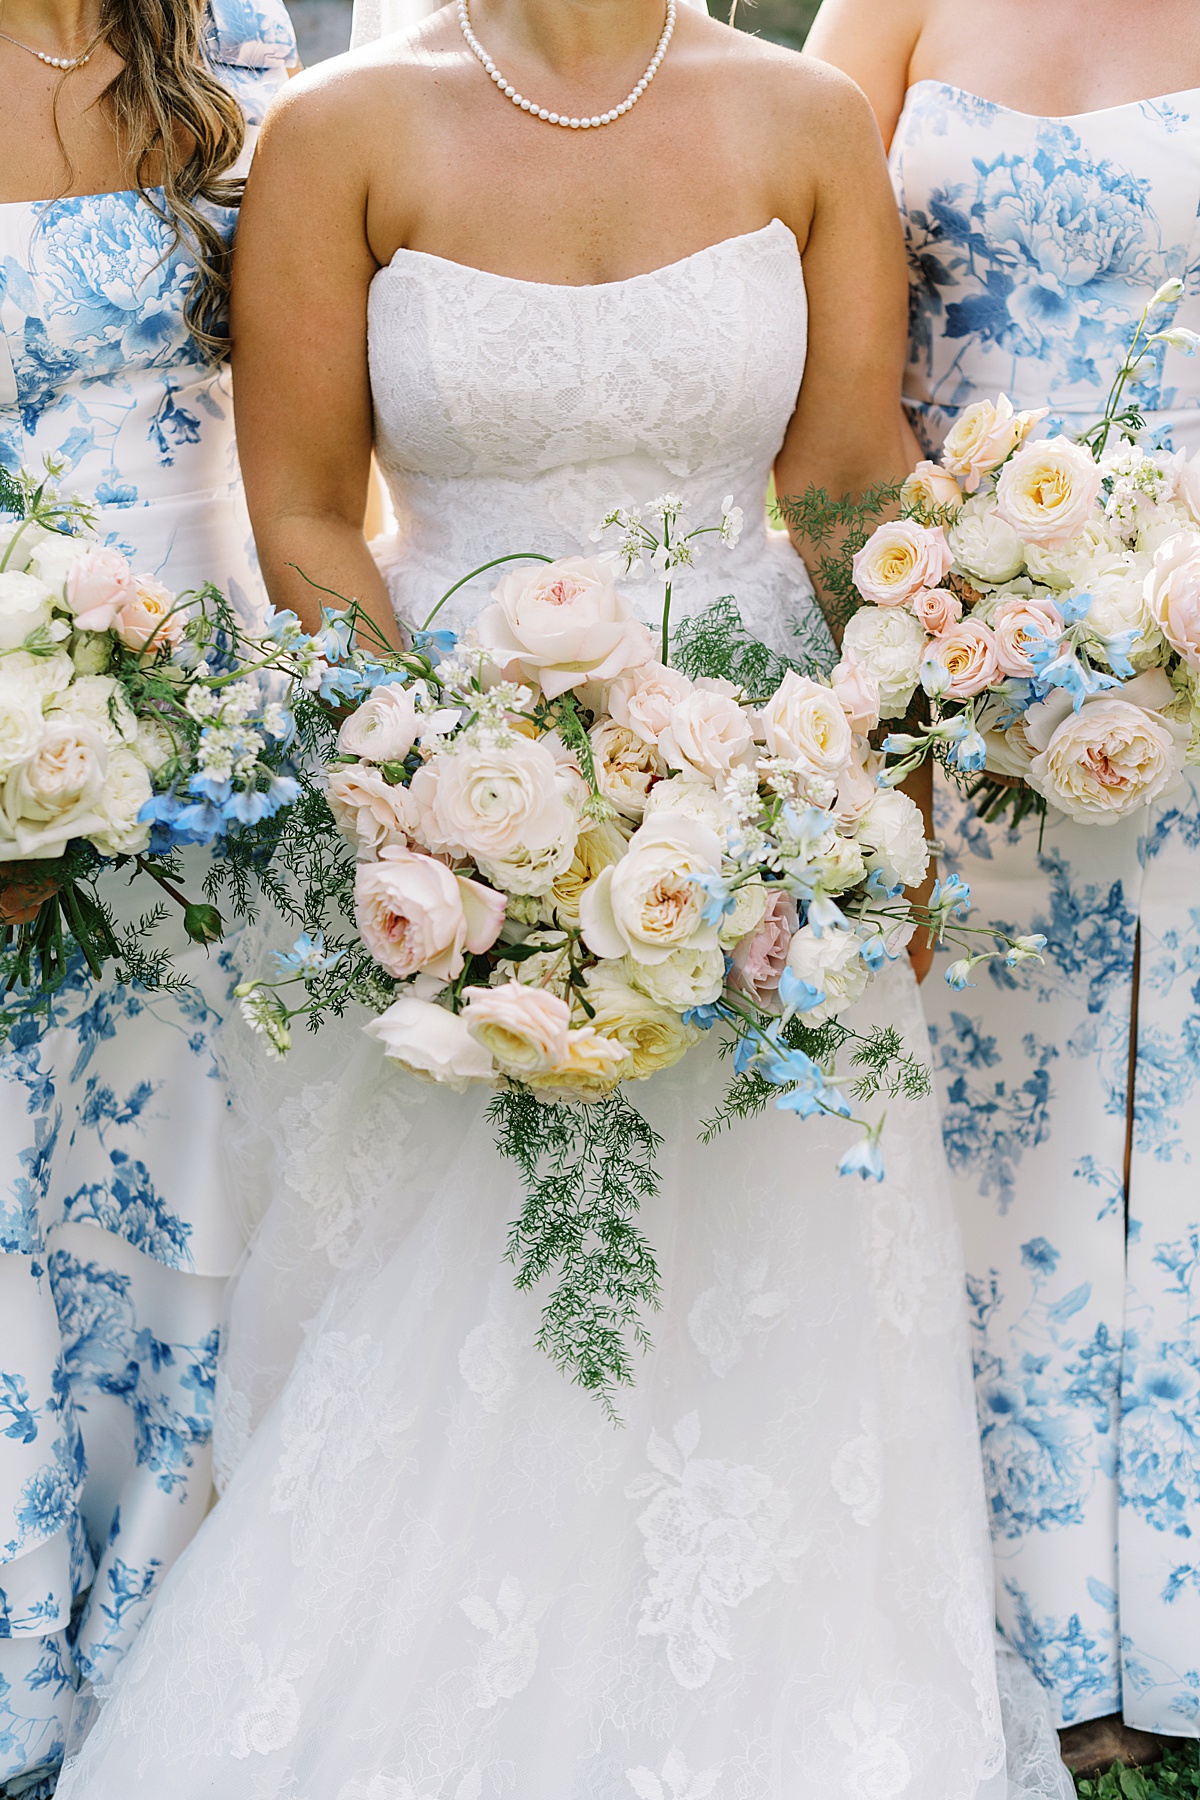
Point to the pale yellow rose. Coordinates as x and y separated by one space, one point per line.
523 1029
626 765
595 849
127 788
592 1068
1172 594
54 794
653 1036
899 559
1048 491
982 436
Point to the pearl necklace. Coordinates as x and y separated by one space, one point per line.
51 62
553 118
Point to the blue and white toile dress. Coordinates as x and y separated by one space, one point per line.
115 1237
1033 244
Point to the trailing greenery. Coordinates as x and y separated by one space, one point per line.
837 529
585 1170
715 645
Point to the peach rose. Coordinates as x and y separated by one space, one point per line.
899 559
432 1042
641 701
982 436
1020 626
99 584
415 915
967 654
1172 593
937 609
1049 491
562 625
147 619
806 723
523 1029
383 729
932 490
760 959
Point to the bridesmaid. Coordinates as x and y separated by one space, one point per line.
1046 158
116 195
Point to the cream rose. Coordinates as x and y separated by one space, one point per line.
899 559
21 723
982 436
505 807
1172 594
1009 752
966 654
432 1042
709 734
892 833
44 675
857 693
931 490
383 729
368 810
98 584
24 608
806 724
937 609
890 643
652 1036
688 799
523 1029
642 700
830 963
985 546
53 796
416 916
562 625
127 788
597 848
149 619
1107 760
99 701
1019 626
647 905
1048 491
592 1068
626 765
689 976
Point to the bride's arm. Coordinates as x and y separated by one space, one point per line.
302 269
846 433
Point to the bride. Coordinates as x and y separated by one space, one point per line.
438 1572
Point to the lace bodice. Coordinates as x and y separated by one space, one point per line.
512 415
1034 243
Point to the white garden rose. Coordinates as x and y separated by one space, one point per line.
982 436
1048 490
985 546
505 807
562 625
892 834
51 559
1119 605
749 911
1172 594
24 607
652 1036
626 766
805 723
891 644
53 796
44 675
19 538
99 701
368 810
127 787
642 700
709 734
91 653
523 1029
1092 551
830 963
21 723
1107 760
690 799
689 976
647 905
432 1042
384 728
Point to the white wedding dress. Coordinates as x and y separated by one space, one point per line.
438 1572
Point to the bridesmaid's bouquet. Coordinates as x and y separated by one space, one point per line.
1044 599
132 722
578 848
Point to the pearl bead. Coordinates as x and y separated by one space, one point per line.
553 118
575 124
506 88
542 113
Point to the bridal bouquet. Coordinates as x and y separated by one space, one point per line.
1045 598
573 857
132 722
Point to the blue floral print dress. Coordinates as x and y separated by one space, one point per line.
115 1240
1033 244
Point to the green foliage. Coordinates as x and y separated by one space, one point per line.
837 529
716 645
586 1169
883 1064
1176 1777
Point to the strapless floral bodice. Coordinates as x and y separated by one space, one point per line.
1034 243
512 415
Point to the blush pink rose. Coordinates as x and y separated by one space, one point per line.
1020 626
967 655
642 700
416 915
99 584
148 619
760 959
1172 593
899 559
562 626
937 609
857 693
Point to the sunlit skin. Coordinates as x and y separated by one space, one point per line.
33 166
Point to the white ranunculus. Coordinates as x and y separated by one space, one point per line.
99 701
54 794
805 723
384 728
830 963
985 546
647 905
21 722
653 1036
626 765
688 977
892 833
1049 490
506 807
709 734
1107 760
24 606
891 643
431 1042
368 810
127 788
562 625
